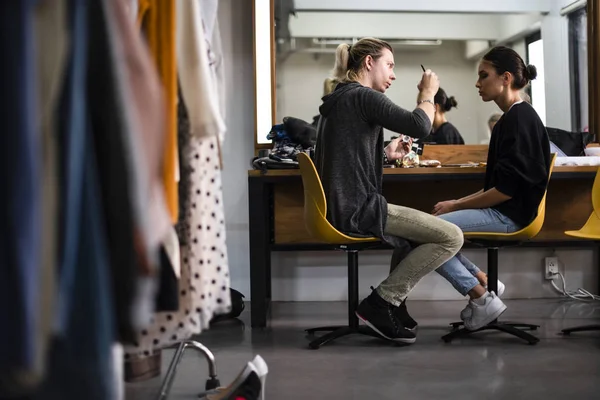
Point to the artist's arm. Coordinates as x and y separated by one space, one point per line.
377 108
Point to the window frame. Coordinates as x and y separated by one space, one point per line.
574 64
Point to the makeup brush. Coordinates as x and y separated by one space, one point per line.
422 67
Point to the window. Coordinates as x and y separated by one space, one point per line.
579 70
536 90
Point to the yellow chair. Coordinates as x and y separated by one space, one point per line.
591 231
494 241
315 212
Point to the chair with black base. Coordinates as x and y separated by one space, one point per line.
494 241
590 231
315 212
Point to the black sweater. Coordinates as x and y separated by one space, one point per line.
349 156
445 134
518 162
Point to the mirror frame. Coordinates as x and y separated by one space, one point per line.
263 9
263 24
593 38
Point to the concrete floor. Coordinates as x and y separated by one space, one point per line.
484 366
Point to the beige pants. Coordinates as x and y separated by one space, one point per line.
438 242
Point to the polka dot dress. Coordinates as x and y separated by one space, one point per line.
204 281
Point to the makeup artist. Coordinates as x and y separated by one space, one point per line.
349 159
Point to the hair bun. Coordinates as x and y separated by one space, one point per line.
450 102
531 72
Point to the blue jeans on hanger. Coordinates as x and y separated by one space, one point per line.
80 360
20 214
459 270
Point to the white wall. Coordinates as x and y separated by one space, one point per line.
555 33
238 148
465 6
398 25
300 85
322 275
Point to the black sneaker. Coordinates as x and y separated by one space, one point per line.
381 316
405 318
402 313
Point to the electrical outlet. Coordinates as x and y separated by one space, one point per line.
551 268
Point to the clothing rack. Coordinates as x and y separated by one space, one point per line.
211 383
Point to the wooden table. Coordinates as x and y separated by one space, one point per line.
276 206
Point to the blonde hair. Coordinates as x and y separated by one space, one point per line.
349 59
329 85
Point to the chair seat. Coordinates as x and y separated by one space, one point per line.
519 236
357 246
583 235
487 243
349 240
591 229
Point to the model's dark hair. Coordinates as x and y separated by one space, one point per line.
504 59
442 99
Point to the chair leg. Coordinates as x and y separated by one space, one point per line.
519 325
511 328
352 288
165 388
211 383
584 328
341 332
353 326
499 326
492 273
312 331
522 325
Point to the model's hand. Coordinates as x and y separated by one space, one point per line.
398 148
444 207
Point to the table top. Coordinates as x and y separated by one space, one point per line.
560 172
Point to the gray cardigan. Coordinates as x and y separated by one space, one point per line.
349 156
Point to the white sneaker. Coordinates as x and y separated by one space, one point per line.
466 312
484 314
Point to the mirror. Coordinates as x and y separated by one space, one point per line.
447 37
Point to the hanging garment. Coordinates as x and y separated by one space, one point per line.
80 364
185 170
142 96
21 227
52 41
145 103
157 19
209 12
204 279
119 183
196 72
207 246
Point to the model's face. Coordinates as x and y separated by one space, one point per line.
489 84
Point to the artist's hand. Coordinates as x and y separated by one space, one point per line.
429 84
397 148
444 207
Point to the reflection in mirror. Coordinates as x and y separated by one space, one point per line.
450 42
263 39
579 66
